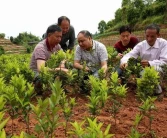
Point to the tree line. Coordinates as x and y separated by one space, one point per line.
136 13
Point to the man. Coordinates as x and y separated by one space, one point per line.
45 48
68 33
126 40
92 52
153 50
43 51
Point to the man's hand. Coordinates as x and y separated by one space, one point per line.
123 66
87 69
40 64
119 55
62 69
77 65
145 63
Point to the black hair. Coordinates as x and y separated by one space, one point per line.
125 28
52 29
60 19
153 26
85 33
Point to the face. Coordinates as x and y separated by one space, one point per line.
125 38
54 38
65 25
151 36
84 42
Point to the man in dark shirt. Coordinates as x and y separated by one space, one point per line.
126 40
68 33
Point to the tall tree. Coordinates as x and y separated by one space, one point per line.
125 6
118 16
126 3
102 26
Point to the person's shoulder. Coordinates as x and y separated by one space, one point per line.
162 39
71 27
141 43
134 38
78 47
41 44
117 44
71 30
100 44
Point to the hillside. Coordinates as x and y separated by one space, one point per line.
9 47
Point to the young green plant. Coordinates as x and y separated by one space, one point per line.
146 110
118 93
67 106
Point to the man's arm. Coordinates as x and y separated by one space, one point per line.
40 64
104 66
71 39
162 57
135 52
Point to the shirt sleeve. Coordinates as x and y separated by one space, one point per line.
135 52
40 54
162 58
77 55
103 54
71 39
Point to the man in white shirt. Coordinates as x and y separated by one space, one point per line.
153 50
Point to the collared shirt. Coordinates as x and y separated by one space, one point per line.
41 52
156 54
94 57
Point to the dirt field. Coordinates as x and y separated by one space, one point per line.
124 121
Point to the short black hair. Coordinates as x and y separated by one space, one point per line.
153 26
52 29
60 19
125 28
85 33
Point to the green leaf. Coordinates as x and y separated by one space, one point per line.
3 123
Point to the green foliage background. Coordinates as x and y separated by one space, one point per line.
137 14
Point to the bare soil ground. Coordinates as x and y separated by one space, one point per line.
124 121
